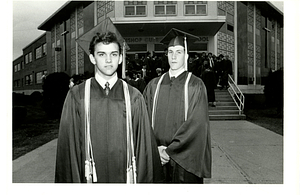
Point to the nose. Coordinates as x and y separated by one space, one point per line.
108 59
173 55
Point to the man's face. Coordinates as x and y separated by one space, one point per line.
176 57
106 58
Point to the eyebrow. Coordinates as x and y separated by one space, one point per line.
110 52
176 50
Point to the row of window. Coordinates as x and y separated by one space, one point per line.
39 76
162 8
39 52
18 66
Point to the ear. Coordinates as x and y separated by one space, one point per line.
120 58
186 57
92 59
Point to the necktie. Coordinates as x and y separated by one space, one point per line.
172 79
106 88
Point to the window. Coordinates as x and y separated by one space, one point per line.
18 67
38 52
195 7
26 59
135 8
44 49
165 7
22 65
39 76
28 79
30 57
230 27
15 68
17 83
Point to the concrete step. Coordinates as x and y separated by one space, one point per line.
224 98
223 108
231 103
223 94
223 112
227 117
217 91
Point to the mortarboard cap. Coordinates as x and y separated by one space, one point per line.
103 27
178 37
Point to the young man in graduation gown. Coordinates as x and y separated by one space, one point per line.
108 137
181 125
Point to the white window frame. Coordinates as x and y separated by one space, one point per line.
30 57
38 77
135 10
38 52
195 9
165 9
26 59
44 49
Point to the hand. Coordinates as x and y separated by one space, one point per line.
164 157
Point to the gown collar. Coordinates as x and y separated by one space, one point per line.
177 74
102 81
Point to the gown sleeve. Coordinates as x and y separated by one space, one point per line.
149 168
68 156
191 144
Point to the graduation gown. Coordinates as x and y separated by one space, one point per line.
188 142
108 136
209 80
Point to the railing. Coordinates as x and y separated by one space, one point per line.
236 94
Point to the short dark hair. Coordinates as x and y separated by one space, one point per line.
105 38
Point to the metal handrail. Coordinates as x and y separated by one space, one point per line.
236 94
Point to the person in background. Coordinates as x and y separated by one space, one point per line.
158 71
178 109
209 80
227 70
218 70
164 61
210 60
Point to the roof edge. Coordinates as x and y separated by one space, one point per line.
273 6
52 15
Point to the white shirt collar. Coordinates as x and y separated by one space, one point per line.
177 74
102 81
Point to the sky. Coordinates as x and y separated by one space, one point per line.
28 15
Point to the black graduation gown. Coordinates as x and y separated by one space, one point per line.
108 136
209 80
188 142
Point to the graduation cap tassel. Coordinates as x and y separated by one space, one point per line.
94 172
185 52
124 60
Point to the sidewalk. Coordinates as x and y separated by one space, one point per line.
243 153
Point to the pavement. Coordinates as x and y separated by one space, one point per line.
243 153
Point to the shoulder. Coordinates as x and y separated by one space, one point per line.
196 82
77 92
155 80
134 93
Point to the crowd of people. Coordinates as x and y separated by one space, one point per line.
212 69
